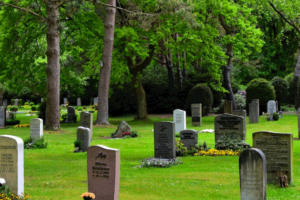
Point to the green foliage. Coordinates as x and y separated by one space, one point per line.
275 116
12 101
160 162
228 142
260 89
78 144
80 108
291 88
240 101
134 133
33 108
26 103
181 150
20 101
13 108
38 144
31 104
281 89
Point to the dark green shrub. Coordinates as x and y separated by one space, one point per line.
76 107
38 144
12 102
42 111
200 93
26 103
78 144
275 116
12 122
80 108
281 89
261 89
31 104
134 133
33 108
291 88
13 108
20 102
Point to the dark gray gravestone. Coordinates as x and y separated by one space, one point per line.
84 135
228 107
189 138
253 174
254 111
271 108
241 113
197 114
2 117
71 114
78 102
164 140
86 120
278 148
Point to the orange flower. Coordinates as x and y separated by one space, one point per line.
88 194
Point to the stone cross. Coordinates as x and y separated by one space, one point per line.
86 120
254 111
179 117
164 140
197 114
84 135
36 129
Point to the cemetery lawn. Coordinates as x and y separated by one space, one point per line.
58 173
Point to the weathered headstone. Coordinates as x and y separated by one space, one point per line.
86 120
65 100
103 165
95 100
42 99
179 117
271 108
5 103
78 102
12 162
280 114
197 114
2 117
84 135
228 107
242 113
123 127
36 129
231 126
254 111
189 138
16 102
253 175
71 114
164 140
278 148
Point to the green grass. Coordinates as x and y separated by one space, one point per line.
58 173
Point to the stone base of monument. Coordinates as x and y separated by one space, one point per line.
296 138
77 150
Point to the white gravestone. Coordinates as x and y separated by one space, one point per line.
12 162
271 108
36 129
86 120
78 102
84 135
65 100
179 118
95 100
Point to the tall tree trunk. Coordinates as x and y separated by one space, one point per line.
171 76
53 67
184 74
179 74
140 96
226 74
103 87
296 82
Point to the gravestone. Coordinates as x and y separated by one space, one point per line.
103 166
84 135
123 127
280 114
276 106
254 111
42 99
164 140
78 102
71 114
189 138
12 162
197 114
5 103
86 120
253 175
36 129
16 102
278 148
65 101
271 108
228 107
179 117
231 126
242 113
95 100
2 117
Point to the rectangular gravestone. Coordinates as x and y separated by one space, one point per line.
16 102
2 117
12 162
189 138
84 135
95 100
197 114
5 103
271 108
254 111
36 129
71 114
278 148
86 120
241 113
179 117
103 165
164 140
228 107
65 100
42 99
78 102
253 175
230 126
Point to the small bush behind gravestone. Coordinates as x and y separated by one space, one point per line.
26 103
13 108
33 108
160 162
227 142
38 144
275 116
12 122
20 102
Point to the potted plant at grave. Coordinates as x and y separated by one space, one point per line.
77 145
88 196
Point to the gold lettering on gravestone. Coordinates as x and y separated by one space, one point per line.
100 169
7 164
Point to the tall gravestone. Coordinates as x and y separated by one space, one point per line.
71 114
42 99
197 114
103 166
164 140
5 103
16 102
12 162
84 135
254 111
95 100
36 129
241 113
228 107
253 175
231 126
179 117
278 148
271 108
2 117
78 102
276 106
86 120
189 138
65 100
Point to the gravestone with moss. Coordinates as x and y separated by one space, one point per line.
78 102
71 114
196 114
86 120
242 113
84 135
254 111
16 102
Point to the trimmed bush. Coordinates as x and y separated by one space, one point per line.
12 122
33 108
200 93
13 108
31 104
26 103
261 89
20 102
12 102
281 89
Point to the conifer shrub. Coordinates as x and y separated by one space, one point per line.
281 88
261 89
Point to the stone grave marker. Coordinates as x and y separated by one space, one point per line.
276 106
65 101
179 117
78 102
241 113
103 166
253 174
95 100
12 162
271 108
254 111
164 140
84 135
280 114
197 114
36 129
278 148
189 138
231 126
42 99
2 117
5 103
86 120
71 114
228 107
16 102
